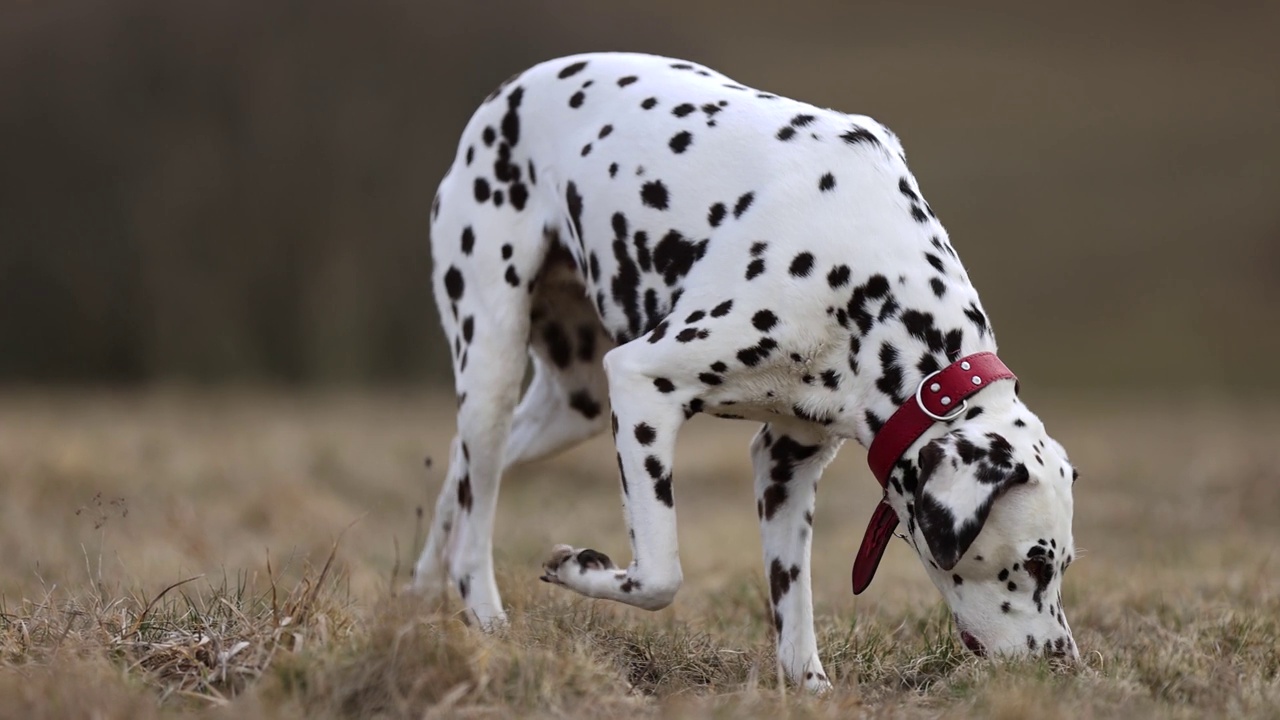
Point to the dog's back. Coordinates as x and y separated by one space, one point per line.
686 167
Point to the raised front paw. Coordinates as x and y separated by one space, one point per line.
565 559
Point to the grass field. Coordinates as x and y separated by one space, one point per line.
240 555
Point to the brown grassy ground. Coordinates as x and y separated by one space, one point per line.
108 500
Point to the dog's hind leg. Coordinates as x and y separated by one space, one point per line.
483 271
567 401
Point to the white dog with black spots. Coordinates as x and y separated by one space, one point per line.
663 241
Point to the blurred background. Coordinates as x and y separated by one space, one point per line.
237 192
219 356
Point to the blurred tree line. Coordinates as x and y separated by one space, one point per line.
239 190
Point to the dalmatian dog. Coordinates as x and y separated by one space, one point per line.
663 241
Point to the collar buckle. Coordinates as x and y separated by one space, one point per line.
944 400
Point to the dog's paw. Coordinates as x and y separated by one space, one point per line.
551 568
818 684
565 558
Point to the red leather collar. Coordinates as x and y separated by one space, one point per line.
941 396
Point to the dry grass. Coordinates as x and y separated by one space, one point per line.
180 554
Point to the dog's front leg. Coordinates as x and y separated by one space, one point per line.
788 461
648 412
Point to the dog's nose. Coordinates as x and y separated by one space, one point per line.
971 642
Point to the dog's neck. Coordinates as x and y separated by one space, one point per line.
996 409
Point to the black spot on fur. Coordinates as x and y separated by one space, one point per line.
582 401
780 579
753 355
453 283
625 81
664 385
593 560
890 380
743 203
722 309
511 120
571 70
464 493
938 286
654 194
827 182
802 265
557 343
978 319
859 135
764 320
716 214
519 196
875 288
680 141
662 488
674 256
774 497
574 200
653 465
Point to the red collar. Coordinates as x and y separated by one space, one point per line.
941 396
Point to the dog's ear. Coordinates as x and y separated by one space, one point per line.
959 482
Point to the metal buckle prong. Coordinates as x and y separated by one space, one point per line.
964 404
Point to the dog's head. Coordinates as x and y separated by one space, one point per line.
989 511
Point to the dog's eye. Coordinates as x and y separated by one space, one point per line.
1075 475
1040 569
